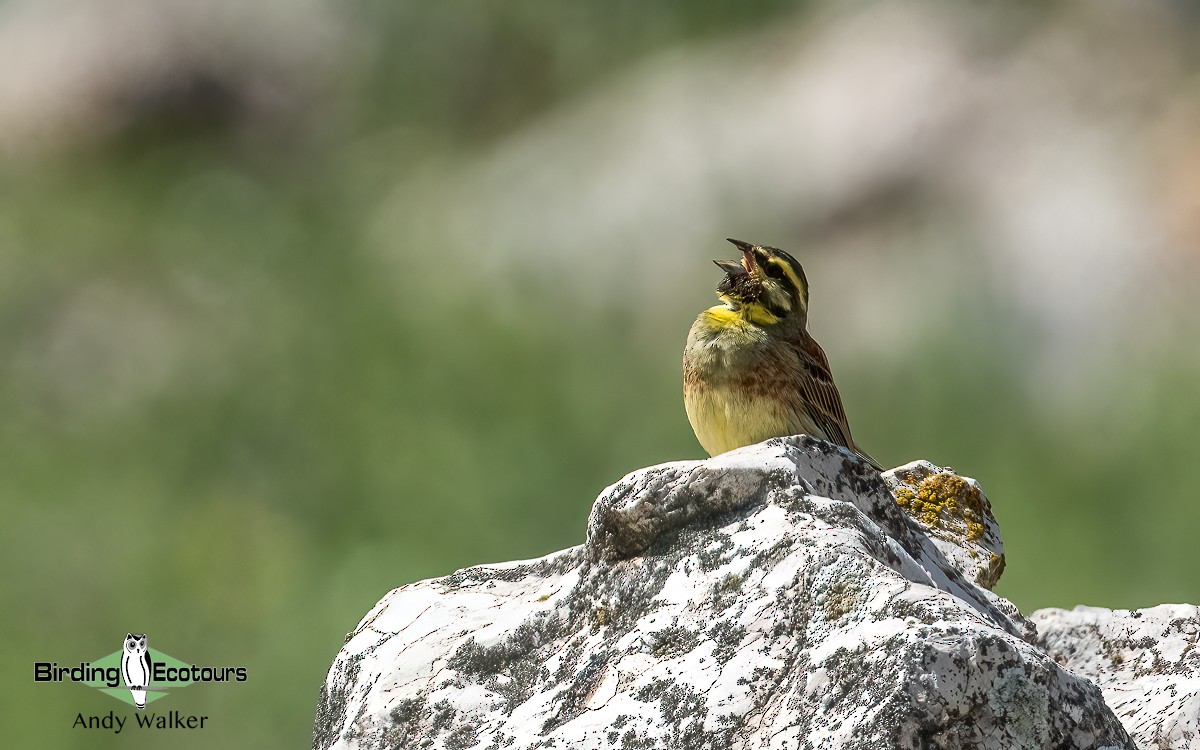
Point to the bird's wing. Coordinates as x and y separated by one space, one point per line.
819 395
147 664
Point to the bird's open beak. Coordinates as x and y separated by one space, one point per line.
731 267
738 267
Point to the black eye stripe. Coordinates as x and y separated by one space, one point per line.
773 270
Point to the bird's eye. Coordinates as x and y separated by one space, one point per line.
774 271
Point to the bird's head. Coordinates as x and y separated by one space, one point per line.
766 285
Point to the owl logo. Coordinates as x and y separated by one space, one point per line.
135 667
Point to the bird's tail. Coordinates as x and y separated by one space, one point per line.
867 457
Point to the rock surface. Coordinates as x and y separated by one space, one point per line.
1146 661
774 597
955 515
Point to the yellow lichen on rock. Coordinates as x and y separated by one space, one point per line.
938 498
989 576
956 515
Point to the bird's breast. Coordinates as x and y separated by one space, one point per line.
722 344
738 384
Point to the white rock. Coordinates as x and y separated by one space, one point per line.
1146 661
773 597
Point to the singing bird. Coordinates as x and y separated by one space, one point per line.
751 371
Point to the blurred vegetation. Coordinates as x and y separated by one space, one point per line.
231 424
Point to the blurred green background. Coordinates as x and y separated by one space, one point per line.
306 300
